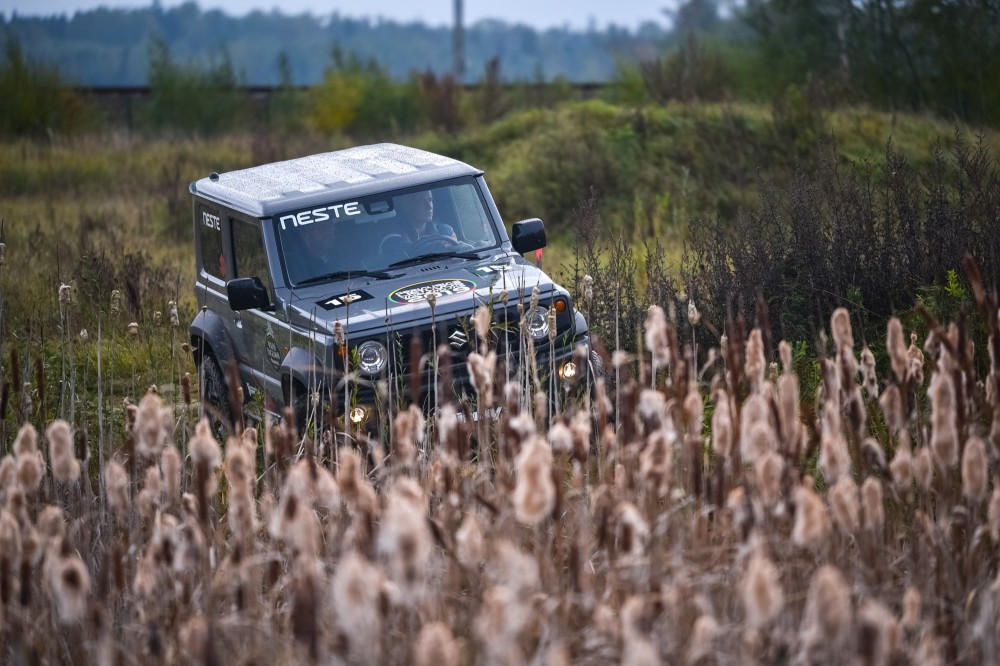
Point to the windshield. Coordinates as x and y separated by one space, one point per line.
372 234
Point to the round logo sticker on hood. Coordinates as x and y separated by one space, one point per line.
417 293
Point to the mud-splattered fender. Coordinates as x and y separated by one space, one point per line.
302 366
208 331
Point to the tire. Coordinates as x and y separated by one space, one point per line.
215 393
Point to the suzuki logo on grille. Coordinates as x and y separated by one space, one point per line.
458 339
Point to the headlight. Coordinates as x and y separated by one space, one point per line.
537 321
372 357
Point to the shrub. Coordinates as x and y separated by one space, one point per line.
361 98
192 99
869 235
36 99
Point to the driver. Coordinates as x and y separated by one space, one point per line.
415 215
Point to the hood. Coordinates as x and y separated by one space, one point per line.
460 286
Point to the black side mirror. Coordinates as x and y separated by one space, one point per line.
528 235
248 293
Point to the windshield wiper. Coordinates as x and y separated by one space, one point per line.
434 255
340 275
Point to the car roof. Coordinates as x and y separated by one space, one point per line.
343 174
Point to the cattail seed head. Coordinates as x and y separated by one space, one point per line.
923 469
26 441
975 470
153 426
133 329
868 372
356 591
30 469
828 607
901 466
915 361
404 540
993 515
722 425
896 348
116 486
633 532
834 457
69 583
694 317
436 646
755 364
840 326
65 467
204 449
769 469
911 608
535 492
172 310
761 591
944 432
812 524
892 406
481 322
656 338
871 504
878 623
844 505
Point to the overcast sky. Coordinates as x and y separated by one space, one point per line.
538 13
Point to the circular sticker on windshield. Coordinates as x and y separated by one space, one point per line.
417 293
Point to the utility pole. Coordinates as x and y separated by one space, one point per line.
458 45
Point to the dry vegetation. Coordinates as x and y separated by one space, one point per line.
692 515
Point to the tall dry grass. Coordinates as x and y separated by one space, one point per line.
711 517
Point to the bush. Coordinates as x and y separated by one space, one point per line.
36 100
189 98
362 99
870 236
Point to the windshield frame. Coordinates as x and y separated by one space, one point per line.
496 227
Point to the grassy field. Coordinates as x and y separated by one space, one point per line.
755 503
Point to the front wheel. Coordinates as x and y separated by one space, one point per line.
215 396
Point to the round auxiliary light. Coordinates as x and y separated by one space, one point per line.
359 414
568 370
537 322
372 357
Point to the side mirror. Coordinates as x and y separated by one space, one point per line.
528 235
248 293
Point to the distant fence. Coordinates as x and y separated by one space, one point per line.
121 104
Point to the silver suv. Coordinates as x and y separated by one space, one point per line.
330 281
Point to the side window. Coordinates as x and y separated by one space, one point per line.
210 239
249 253
475 225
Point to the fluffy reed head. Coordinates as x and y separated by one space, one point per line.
944 431
812 524
828 608
436 646
65 467
975 470
755 363
844 506
535 492
761 591
657 340
840 326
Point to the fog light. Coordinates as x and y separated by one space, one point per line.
359 414
568 370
